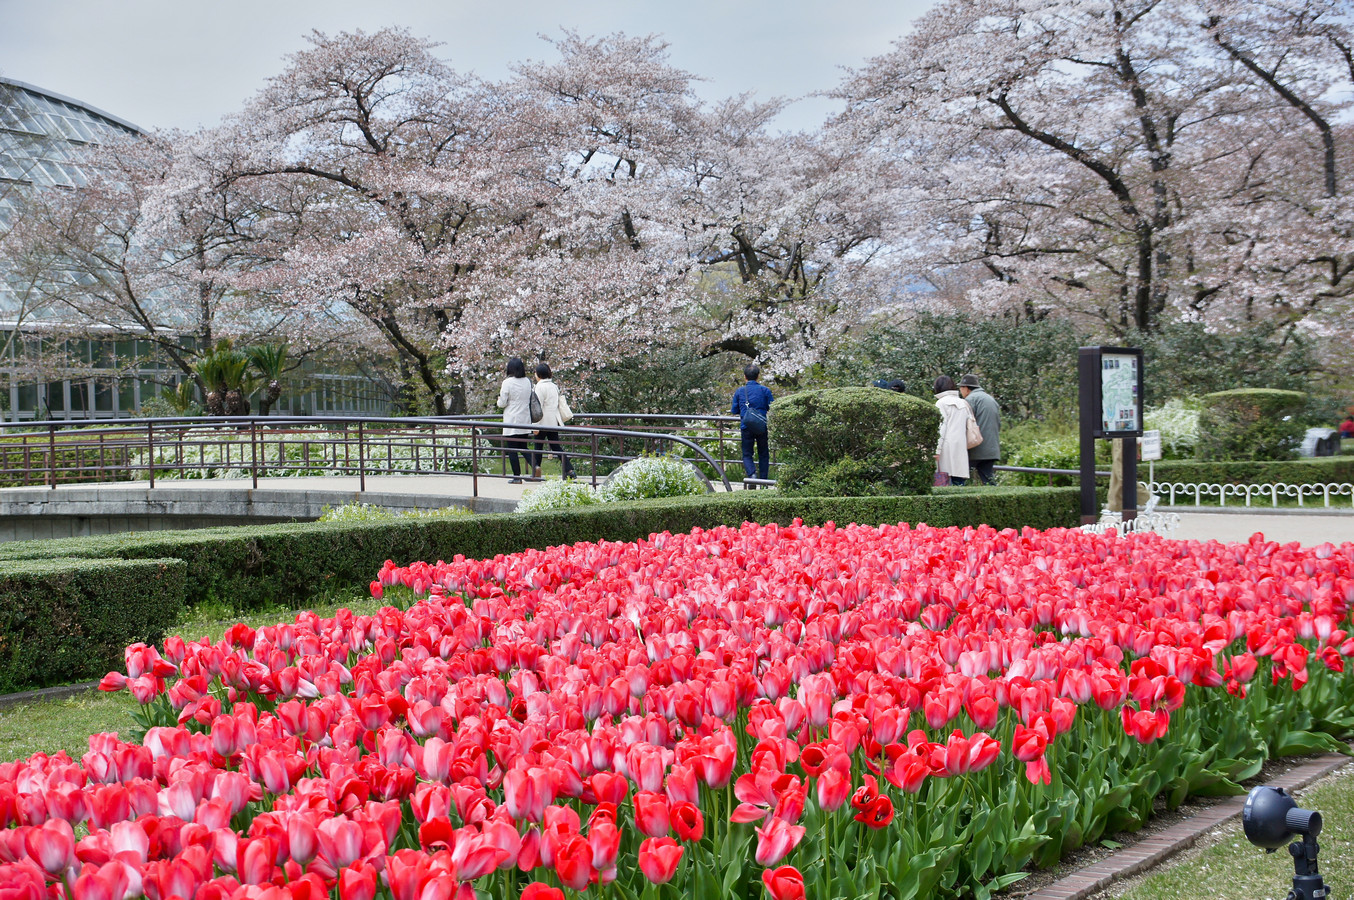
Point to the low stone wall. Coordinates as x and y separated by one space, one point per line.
43 514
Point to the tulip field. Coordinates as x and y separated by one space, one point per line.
765 712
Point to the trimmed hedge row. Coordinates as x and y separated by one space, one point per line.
64 620
1323 470
249 567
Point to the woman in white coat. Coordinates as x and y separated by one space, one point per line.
554 413
952 448
514 398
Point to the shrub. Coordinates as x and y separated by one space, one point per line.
366 512
557 494
64 620
1188 359
652 477
854 442
1325 470
1178 422
1056 451
1250 424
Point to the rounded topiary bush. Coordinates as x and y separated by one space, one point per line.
855 441
1250 424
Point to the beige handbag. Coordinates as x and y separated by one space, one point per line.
974 434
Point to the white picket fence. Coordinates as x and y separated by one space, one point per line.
1198 494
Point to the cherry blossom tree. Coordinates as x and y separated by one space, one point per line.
586 209
586 268
129 255
1131 161
786 233
1281 231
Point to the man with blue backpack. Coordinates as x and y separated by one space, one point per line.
751 404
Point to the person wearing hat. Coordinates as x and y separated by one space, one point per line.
983 458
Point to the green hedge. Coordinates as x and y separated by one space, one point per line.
1250 424
64 620
854 441
249 567
1324 470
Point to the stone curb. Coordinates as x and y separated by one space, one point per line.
1139 857
62 692
1346 511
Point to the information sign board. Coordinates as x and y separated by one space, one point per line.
1120 393
1151 446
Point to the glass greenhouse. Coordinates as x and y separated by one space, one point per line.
42 138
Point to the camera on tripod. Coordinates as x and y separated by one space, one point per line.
1270 818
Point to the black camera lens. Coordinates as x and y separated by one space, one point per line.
1303 821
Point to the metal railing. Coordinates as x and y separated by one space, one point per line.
1034 470
84 452
719 435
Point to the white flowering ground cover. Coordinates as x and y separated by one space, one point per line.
640 479
318 453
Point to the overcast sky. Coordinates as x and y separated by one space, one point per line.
182 64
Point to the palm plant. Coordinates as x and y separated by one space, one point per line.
226 380
268 361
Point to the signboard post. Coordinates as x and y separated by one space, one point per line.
1151 452
1110 398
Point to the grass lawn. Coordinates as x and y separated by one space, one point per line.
52 725
1225 866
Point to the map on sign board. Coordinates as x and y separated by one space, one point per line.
1119 392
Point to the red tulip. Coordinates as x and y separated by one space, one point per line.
538 891
1241 668
688 822
834 787
775 839
681 785
605 840
784 883
1038 771
658 859
877 814
983 711
1027 744
610 787
651 814
476 855
52 846
255 860
573 862
1145 726
358 882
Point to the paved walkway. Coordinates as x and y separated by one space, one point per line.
1307 528
459 486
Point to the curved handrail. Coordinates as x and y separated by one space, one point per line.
91 426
